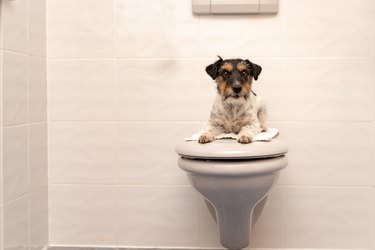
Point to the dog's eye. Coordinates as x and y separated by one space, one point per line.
224 73
244 73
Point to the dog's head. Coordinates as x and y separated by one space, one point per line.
233 76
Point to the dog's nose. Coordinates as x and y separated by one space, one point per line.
237 89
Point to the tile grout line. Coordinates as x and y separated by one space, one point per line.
28 193
2 193
115 111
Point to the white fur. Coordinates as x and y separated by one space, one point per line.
243 116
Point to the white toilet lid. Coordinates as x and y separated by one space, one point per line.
231 149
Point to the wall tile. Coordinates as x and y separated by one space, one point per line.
316 28
81 90
372 231
14 88
373 154
271 87
37 89
157 216
82 215
330 218
81 153
1 137
208 229
1 228
144 29
169 90
16 225
373 88
329 154
37 27
116 121
14 25
15 165
38 164
81 28
22 34
243 35
269 230
143 157
328 89
1 83
39 218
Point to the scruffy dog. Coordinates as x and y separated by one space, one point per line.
237 109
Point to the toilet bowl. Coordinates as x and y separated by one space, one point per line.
233 178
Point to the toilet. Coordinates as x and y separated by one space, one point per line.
233 178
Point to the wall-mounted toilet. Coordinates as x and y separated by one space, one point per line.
233 178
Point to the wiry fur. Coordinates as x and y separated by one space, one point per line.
236 108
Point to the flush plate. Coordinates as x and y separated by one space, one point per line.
235 6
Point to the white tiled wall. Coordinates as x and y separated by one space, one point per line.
126 82
23 126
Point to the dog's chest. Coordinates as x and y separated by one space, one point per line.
231 118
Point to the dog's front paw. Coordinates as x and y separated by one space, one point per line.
205 138
245 139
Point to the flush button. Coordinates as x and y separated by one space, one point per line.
268 6
201 6
235 6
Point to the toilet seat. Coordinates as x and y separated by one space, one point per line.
231 150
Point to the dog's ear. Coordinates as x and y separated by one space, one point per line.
255 69
213 69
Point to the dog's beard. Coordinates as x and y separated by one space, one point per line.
235 96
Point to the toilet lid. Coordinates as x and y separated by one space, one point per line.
231 149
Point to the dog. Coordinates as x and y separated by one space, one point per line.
236 109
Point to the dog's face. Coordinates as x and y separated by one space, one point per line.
233 76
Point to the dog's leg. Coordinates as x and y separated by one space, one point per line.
209 134
262 116
247 133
